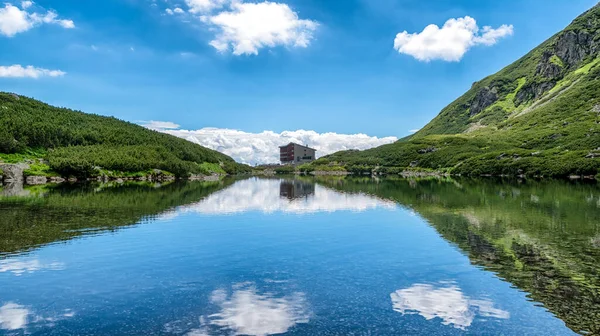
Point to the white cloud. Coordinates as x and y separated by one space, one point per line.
258 148
450 42
18 71
159 125
22 266
447 303
203 6
26 4
287 196
176 10
248 27
414 130
14 20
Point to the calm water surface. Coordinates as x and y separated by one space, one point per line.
301 256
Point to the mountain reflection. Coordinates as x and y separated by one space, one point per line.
445 302
541 236
285 195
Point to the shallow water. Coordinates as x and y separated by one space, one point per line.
301 256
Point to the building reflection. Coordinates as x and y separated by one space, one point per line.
295 189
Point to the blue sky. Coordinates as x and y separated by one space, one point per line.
338 71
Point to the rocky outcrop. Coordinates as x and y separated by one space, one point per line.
574 46
13 172
547 68
484 98
533 91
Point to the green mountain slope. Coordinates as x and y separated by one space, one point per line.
539 116
76 143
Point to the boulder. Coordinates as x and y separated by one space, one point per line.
13 172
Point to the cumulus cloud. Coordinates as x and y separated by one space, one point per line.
18 71
15 20
451 41
445 302
248 27
261 148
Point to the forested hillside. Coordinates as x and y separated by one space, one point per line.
538 116
80 144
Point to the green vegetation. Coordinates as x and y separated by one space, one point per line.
82 145
40 169
62 212
538 116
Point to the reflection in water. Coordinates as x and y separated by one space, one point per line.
447 303
264 195
246 311
21 266
13 316
541 236
294 189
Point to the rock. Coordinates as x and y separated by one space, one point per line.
574 46
547 68
13 172
36 180
501 156
414 163
427 150
592 155
119 180
536 153
596 108
15 96
484 98
72 179
533 91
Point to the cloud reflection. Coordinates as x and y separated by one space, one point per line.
21 266
15 316
273 195
246 311
447 303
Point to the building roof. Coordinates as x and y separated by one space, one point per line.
293 143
